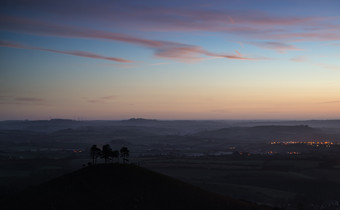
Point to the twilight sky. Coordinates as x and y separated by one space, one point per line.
221 59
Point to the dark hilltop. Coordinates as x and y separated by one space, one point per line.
120 186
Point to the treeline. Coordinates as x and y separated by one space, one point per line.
108 154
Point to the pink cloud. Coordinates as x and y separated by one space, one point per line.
323 35
179 51
237 56
277 46
192 53
75 53
88 55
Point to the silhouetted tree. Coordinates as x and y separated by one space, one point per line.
95 153
124 153
106 152
114 154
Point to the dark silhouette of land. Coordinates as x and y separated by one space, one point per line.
120 186
286 164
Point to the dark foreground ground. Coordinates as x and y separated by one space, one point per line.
119 186
286 183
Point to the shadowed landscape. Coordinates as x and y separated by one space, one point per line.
114 186
282 164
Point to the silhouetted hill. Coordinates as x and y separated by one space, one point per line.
140 120
119 187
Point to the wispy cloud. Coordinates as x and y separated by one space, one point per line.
328 66
192 53
75 53
24 100
277 46
165 49
103 99
299 59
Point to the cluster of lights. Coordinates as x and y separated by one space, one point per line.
310 143
271 153
289 153
293 153
77 151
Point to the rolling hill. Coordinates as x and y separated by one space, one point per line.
118 186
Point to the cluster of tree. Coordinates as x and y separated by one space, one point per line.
108 154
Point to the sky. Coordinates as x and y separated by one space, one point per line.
194 59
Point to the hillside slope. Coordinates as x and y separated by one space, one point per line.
119 187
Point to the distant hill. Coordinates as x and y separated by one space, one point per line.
140 120
274 132
311 123
120 187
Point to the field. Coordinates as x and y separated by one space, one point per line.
280 183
